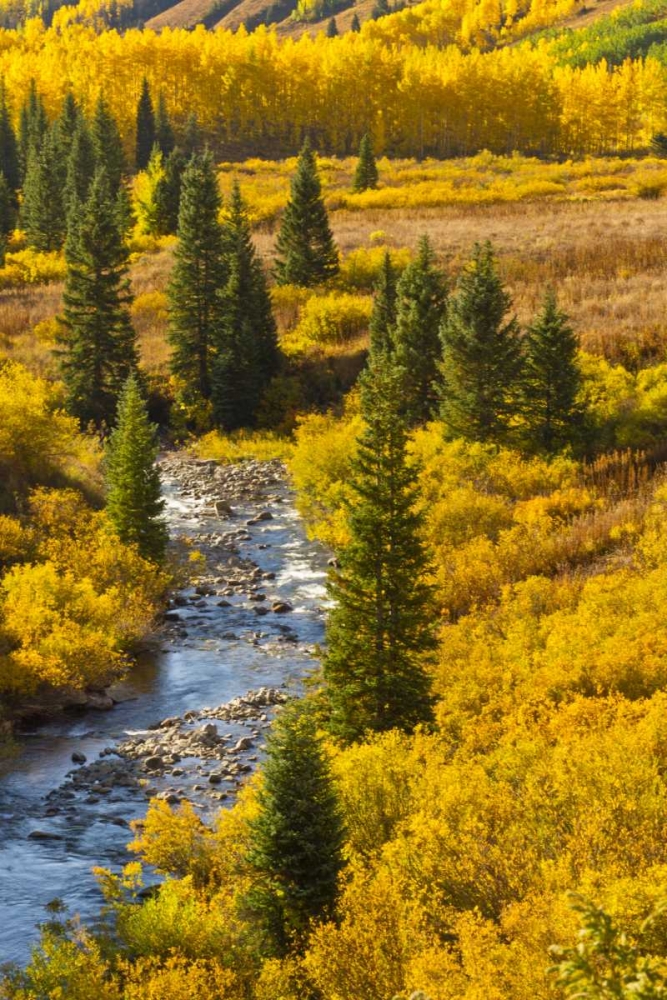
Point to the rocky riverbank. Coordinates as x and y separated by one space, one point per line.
189 755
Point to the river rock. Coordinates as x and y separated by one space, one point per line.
154 763
78 757
44 835
99 700
281 607
245 743
265 515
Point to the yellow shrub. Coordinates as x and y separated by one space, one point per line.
37 440
240 445
177 978
329 320
320 471
360 268
32 267
69 619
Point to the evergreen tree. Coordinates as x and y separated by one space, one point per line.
167 194
297 836
7 216
192 141
68 122
146 132
332 28
366 174
355 24
551 380
97 345
164 133
134 500
33 126
195 306
80 167
9 151
481 353
381 9
248 355
421 303
383 318
306 252
108 147
43 209
381 627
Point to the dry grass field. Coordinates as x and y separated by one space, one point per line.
601 246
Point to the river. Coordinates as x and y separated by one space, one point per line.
208 655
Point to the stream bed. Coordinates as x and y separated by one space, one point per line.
189 721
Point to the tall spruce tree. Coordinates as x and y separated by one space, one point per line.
481 354
247 353
195 305
355 24
7 216
80 167
145 127
43 214
550 381
366 173
383 317
306 252
33 126
98 349
68 122
164 133
332 28
381 628
108 146
134 498
192 138
167 193
297 837
9 150
421 304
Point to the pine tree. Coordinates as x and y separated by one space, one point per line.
550 380
297 837
9 150
145 133
421 303
355 24
248 355
167 193
192 140
332 28
195 306
381 627
134 499
481 354
98 349
80 167
381 9
383 318
164 133
7 216
366 173
306 252
33 126
68 122
43 213
108 147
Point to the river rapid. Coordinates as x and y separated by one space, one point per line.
183 724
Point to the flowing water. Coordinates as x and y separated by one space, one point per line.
226 652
